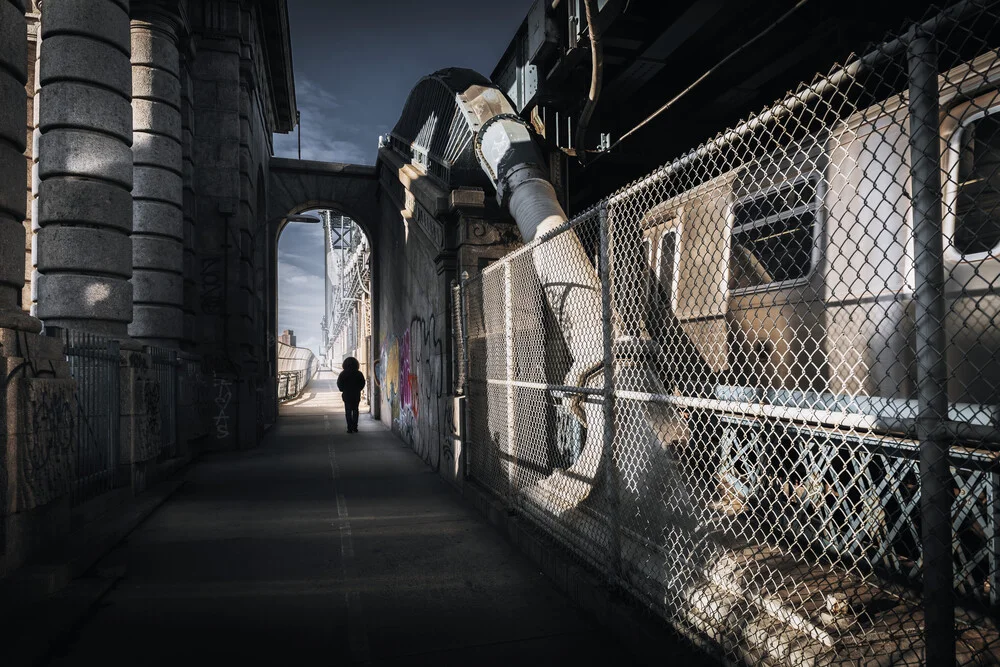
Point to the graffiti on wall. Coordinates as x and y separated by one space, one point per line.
212 285
407 378
411 374
223 397
388 374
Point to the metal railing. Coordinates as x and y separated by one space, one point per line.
779 424
94 363
165 368
296 367
288 384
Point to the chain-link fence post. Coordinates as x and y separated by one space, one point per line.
464 323
508 332
610 463
932 370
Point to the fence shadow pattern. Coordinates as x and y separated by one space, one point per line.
778 427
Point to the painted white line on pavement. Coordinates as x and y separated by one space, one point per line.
357 633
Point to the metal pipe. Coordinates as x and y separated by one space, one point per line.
465 372
508 329
596 77
932 369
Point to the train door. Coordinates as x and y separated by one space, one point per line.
775 306
971 226
686 254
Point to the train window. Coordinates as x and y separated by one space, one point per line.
772 237
660 248
977 208
665 265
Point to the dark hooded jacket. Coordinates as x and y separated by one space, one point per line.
351 381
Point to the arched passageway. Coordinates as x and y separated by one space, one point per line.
333 192
324 299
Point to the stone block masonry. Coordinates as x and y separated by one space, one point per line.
13 76
137 133
158 223
38 415
83 248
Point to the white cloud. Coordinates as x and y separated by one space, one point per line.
326 135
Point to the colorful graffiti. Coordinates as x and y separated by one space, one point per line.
406 377
387 374
410 374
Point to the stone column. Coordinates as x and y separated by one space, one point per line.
13 100
83 249
33 16
190 204
158 223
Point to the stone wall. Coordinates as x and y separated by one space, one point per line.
230 129
429 235
38 419
166 109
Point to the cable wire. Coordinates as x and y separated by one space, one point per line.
701 78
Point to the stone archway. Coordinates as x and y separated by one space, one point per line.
296 186
300 185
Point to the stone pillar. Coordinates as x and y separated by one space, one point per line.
37 405
33 17
83 220
13 77
190 204
158 223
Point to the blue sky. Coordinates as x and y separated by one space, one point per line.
355 63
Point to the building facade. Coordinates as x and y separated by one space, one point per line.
134 225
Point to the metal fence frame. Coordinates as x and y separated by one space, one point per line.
165 369
94 362
288 384
954 460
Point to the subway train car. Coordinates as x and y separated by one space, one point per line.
779 293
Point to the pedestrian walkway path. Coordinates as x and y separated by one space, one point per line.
328 547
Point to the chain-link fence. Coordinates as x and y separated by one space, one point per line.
758 389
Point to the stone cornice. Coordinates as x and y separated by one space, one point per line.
278 58
167 16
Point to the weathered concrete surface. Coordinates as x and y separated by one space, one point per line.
139 400
84 114
324 546
158 217
13 77
38 415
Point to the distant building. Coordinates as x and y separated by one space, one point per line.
288 337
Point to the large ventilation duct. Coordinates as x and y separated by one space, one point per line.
469 127
515 165
578 504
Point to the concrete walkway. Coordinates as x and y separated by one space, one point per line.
333 548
